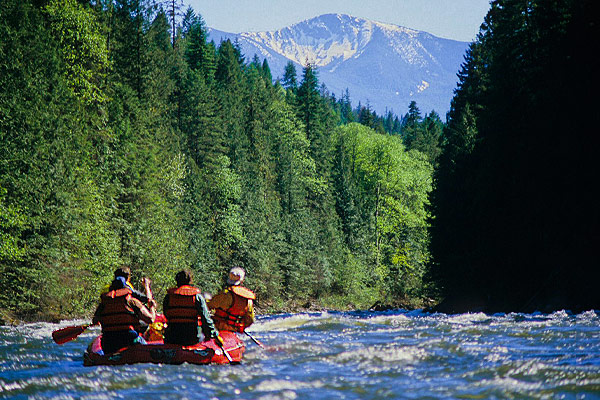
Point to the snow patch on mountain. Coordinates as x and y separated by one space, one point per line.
383 64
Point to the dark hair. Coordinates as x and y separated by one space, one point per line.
118 283
183 277
125 272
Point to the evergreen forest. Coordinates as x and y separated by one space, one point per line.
127 138
516 224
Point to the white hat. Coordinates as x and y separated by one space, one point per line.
239 275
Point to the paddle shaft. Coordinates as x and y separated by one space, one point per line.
255 340
225 352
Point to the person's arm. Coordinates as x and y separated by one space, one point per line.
143 297
208 326
145 314
147 282
248 318
139 295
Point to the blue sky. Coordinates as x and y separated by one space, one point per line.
452 19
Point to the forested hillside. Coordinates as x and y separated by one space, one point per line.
516 222
125 143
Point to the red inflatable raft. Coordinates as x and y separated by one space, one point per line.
157 352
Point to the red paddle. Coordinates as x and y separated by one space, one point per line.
69 333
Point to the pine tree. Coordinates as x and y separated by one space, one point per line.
290 80
260 200
411 125
173 9
228 78
346 114
296 180
310 112
266 72
128 52
200 55
428 137
54 208
367 117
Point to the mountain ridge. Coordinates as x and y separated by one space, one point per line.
381 64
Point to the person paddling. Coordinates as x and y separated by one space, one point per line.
125 272
233 306
120 314
188 317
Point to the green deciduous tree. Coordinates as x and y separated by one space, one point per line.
82 47
391 187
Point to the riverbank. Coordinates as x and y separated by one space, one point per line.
450 305
291 307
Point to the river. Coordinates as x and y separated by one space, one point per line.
335 355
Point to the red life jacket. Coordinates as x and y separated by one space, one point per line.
182 307
116 314
234 315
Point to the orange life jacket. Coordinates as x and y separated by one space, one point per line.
116 314
182 307
234 315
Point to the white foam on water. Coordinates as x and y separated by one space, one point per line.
393 320
274 385
511 385
283 395
562 314
467 318
379 356
496 354
62 382
589 315
41 330
281 323
94 396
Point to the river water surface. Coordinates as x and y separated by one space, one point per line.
335 355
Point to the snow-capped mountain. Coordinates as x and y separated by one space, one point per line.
384 65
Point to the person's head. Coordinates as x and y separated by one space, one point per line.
118 283
125 272
183 277
236 276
